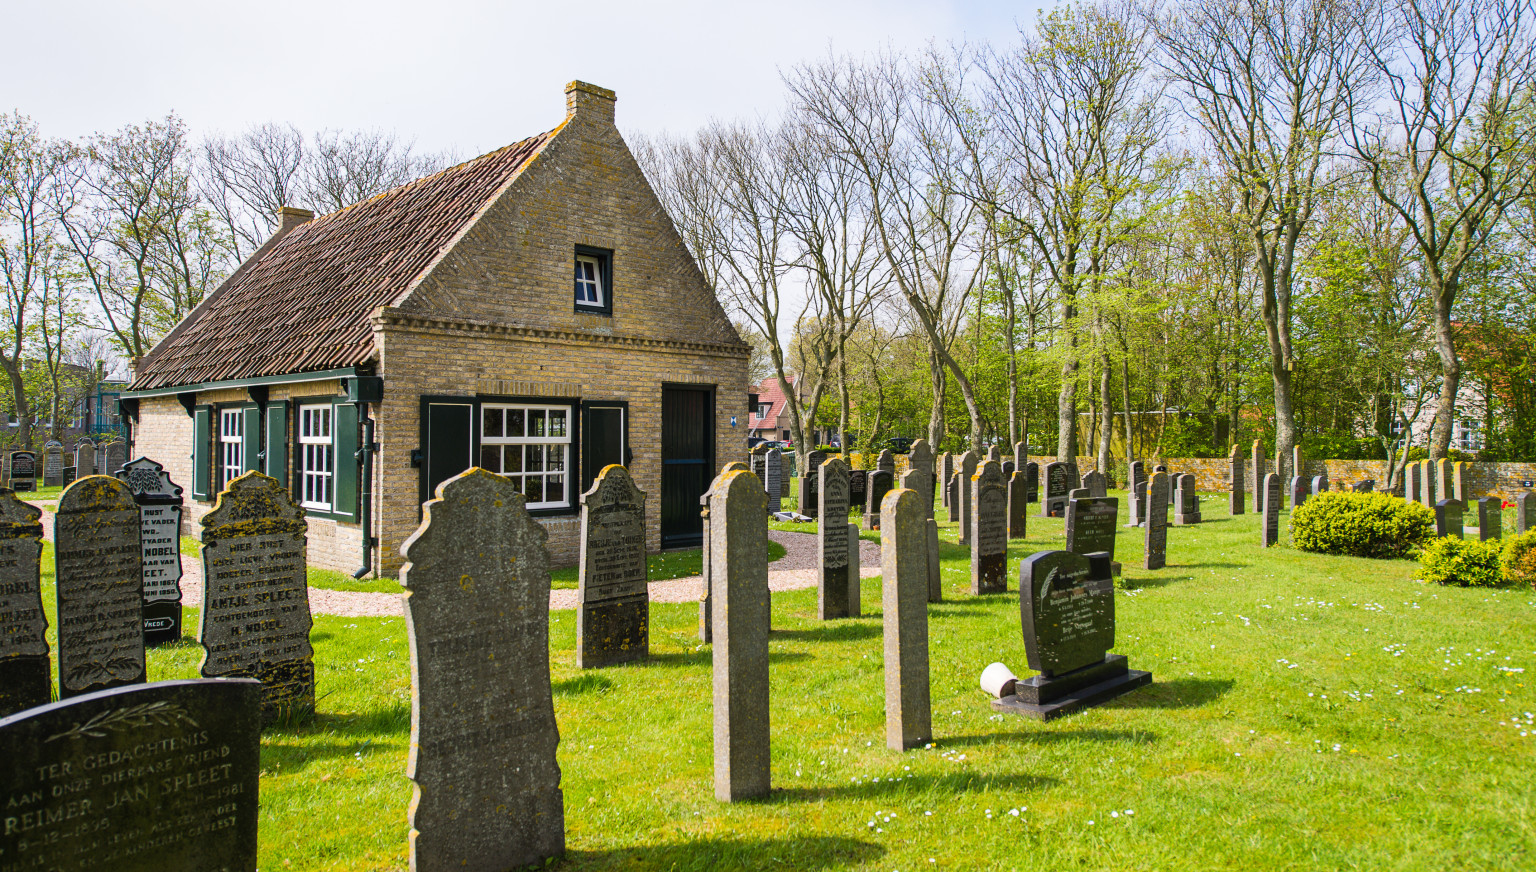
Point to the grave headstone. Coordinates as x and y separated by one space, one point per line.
1091 525
1137 485
1319 484
994 453
1068 621
854 565
946 472
858 487
68 477
832 542
1298 464
1096 484
1490 519
738 546
1271 509
904 607
952 496
809 498
116 453
1156 556
85 458
25 679
773 479
1236 487
935 577
1449 518
1186 501
1008 469
1298 491
614 604
152 778
23 471
1020 456
483 731
989 530
1032 481
1445 480
1363 487
255 613
706 602
1428 494
1259 464
920 459
1525 512
886 461
1459 481
1078 493
1018 506
965 472
1412 485
881 483
159 501
100 606
53 464
1057 486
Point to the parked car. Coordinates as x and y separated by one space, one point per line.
900 444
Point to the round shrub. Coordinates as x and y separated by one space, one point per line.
1519 559
1361 525
1464 562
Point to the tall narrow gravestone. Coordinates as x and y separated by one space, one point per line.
832 543
964 476
1032 481
1092 524
1058 483
1525 512
1411 486
1018 506
1259 490
989 530
952 494
53 464
858 487
1156 556
116 453
809 486
1020 456
23 471
1428 495
1298 491
853 570
920 458
159 501
255 615
1459 481
880 483
1136 484
1319 484
904 607
773 479
153 778
1490 519
1445 481
1068 621
85 458
1298 464
886 461
909 481
706 602
738 543
1236 489
100 607
614 616
1271 511
1186 502
946 472
483 732
1448 518
1096 484
25 679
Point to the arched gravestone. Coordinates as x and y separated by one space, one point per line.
1058 483
1319 484
53 464
946 473
1096 484
1032 481
116 454
881 483
1259 471
809 498
773 479
85 458
25 679
1236 489
1298 491
100 578
1136 484
989 533
832 594
159 501
23 471
886 461
1156 556
1271 511
483 731
966 471
858 487
255 615
920 458
613 619
1018 506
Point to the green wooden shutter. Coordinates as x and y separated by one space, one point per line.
250 438
277 441
344 428
202 450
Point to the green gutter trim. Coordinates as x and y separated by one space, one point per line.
290 378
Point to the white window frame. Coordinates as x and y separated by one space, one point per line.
593 284
231 445
316 426
497 452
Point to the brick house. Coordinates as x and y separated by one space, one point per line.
770 416
532 311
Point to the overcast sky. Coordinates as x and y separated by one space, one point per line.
466 75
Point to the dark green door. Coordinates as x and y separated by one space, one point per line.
687 460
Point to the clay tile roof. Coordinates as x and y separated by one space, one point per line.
304 303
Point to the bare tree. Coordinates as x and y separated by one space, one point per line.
247 178
346 168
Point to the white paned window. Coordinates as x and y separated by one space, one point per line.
589 281
317 474
532 446
231 443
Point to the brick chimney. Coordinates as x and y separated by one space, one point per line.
289 217
589 102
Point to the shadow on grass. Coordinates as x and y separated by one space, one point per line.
950 607
798 852
957 782
1128 583
1176 694
705 657
834 632
581 684
1050 736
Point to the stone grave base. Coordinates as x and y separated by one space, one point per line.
1181 520
162 622
1046 699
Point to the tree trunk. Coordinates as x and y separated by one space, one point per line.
1106 415
1450 378
936 410
1066 414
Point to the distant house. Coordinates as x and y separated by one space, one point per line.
531 311
771 418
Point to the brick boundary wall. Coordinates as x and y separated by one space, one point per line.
1212 474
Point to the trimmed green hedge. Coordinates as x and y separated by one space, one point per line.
1464 562
1361 525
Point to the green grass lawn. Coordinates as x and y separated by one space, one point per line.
1308 712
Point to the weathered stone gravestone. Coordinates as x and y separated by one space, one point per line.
880 484
1096 484
85 458
1186 501
153 778
483 732
1298 463
69 476
1156 556
1525 512
1136 484
832 580
1449 518
1032 481
706 602
989 530
1490 519
904 607
1445 480
100 607
952 498
886 461
1020 456
1091 525
1236 488
1068 621
1459 481
25 679
1319 484
1427 491
1080 493
1008 469
1298 491
773 479
1018 506
53 464
935 577
1057 486
965 474
117 454
255 614
1363 487
159 501
946 473
738 543
614 614
1413 483
23 471
920 459
1259 471
809 486
1271 511
854 577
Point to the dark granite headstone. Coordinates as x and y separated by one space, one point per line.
255 614
1096 484
1136 484
1032 481
887 461
1058 484
483 732
809 487
880 484
1319 484
23 471
1490 518
904 607
1008 469
68 477
53 464
1018 508
1448 518
773 479
858 487
946 474
738 546
952 496
613 616
1525 512
920 459
1271 511
965 472
1186 502
25 680
832 542
1236 488
1363 487
1259 471
1298 491
1091 525
100 576
152 778
989 530
159 501
1156 555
